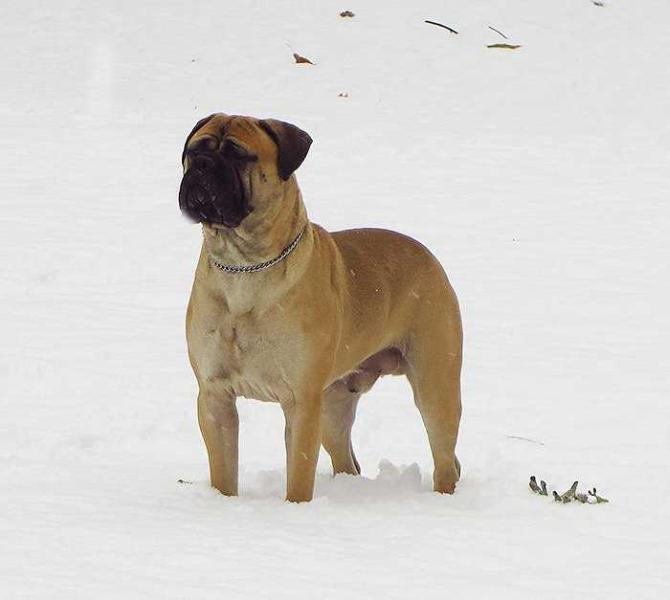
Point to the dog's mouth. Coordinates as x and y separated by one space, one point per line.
212 192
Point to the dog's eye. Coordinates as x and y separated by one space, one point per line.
204 144
235 151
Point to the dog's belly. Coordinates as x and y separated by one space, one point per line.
385 362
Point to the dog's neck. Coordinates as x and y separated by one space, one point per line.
257 240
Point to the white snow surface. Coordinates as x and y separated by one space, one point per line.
538 176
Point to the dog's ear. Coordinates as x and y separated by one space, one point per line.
198 125
292 145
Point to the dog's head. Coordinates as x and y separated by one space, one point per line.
234 166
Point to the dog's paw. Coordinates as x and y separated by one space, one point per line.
444 481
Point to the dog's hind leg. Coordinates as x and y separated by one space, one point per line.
434 368
438 398
338 413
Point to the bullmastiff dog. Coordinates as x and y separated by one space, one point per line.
281 310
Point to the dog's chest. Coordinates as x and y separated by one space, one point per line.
241 353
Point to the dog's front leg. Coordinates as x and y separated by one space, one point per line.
219 424
302 437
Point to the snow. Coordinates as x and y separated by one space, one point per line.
538 176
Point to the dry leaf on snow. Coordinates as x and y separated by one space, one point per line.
301 59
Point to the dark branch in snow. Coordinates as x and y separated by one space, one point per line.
441 25
498 32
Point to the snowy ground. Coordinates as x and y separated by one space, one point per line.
539 176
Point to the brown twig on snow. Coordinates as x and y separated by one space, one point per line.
441 25
505 46
498 32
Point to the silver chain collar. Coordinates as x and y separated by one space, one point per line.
260 266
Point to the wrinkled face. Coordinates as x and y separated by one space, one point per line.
234 166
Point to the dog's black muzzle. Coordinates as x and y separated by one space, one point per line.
212 192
